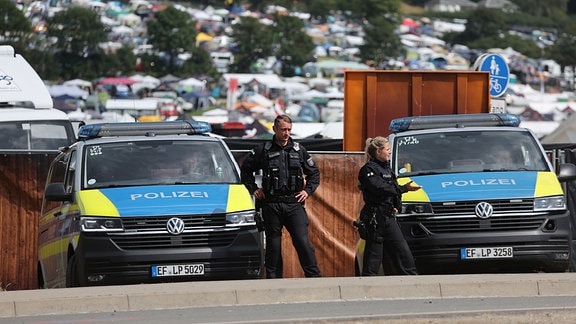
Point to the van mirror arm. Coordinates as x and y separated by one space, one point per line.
566 172
56 192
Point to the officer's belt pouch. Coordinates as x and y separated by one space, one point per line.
366 223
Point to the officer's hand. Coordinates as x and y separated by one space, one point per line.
301 196
259 194
412 187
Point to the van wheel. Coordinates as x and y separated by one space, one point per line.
72 273
41 284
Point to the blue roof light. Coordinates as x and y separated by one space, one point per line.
449 121
190 127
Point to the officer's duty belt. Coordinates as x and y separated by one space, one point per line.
284 199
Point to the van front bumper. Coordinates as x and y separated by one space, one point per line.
535 249
101 260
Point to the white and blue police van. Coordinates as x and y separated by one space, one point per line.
120 208
491 200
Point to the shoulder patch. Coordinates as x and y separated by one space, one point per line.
310 162
296 146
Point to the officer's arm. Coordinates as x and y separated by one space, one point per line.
249 165
311 171
374 183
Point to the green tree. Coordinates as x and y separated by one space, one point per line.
173 32
15 29
526 47
538 8
571 7
200 63
482 23
293 45
121 62
253 41
78 33
565 47
380 42
368 9
319 9
44 62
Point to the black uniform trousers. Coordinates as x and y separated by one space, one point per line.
293 216
387 247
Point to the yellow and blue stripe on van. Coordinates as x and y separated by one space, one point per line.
165 200
483 186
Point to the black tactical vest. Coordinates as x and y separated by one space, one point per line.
282 171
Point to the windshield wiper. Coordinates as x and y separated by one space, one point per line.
505 169
419 173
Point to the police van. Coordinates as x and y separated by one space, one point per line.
28 121
122 205
490 201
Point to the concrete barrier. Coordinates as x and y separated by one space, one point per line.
252 292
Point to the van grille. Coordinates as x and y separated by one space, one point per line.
500 206
159 223
495 223
151 233
508 214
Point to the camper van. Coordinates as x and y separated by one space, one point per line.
28 121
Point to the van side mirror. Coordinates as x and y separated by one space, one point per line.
566 172
56 192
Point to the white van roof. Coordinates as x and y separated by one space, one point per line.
27 114
19 82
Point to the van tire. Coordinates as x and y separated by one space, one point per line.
41 284
72 273
357 268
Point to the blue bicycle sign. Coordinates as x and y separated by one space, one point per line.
499 73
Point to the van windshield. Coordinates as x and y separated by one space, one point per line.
467 151
138 163
35 135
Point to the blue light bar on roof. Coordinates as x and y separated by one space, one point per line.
450 121
190 127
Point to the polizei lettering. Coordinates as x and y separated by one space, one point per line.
480 182
170 195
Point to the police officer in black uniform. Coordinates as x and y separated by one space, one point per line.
289 177
385 243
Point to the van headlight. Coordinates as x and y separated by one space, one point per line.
101 224
415 209
241 219
549 203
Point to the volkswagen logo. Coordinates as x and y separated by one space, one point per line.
484 210
175 226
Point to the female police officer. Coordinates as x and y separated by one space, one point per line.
385 244
284 190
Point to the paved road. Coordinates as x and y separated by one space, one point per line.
537 309
271 296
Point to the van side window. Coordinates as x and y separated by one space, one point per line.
57 174
70 173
